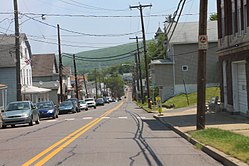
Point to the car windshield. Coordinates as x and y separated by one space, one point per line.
18 106
44 105
88 99
67 103
99 100
82 102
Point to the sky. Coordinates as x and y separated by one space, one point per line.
90 24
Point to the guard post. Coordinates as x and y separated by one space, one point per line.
159 105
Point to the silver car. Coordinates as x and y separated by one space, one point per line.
20 112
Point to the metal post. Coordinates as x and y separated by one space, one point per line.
75 77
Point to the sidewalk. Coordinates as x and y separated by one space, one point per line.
184 120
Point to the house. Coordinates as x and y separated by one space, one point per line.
3 96
8 69
233 52
45 74
178 72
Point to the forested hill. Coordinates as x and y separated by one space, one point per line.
85 64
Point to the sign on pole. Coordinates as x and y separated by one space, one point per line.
203 42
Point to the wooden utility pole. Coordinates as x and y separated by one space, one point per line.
140 7
138 70
17 45
84 79
60 64
201 74
96 86
75 77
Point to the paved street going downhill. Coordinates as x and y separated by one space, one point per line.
115 134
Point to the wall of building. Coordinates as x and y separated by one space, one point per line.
8 77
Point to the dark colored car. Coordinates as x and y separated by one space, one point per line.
106 100
76 102
47 109
67 106
100 101
20 112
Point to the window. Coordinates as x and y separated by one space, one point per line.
245 15
233 18
239 17
184 67
222 18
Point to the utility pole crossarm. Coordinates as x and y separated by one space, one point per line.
140 6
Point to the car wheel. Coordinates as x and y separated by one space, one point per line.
95 107
86 109
13 125
4 126
54 117
31 122
38 120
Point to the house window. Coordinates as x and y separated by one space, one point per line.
233 18
222 18
184 67
245 15
239 17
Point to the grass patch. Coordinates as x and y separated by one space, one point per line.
145 107
230 143
181 101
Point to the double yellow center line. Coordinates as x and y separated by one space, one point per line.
60 145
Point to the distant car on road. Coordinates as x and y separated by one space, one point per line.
100 101
20 112
91 102
83 105
67 106
47 109
76 102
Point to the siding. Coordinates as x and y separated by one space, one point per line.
8 77
188 55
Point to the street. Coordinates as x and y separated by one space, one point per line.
115 134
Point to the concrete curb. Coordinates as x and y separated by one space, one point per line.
214 153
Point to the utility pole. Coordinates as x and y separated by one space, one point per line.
138 70
201 74
84 79
96 86
17 45
60 63
140 7
75 77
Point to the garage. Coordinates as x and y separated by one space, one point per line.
240 87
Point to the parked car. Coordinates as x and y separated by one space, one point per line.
91 102
20 112
67 106
106 100
47 109
83 105
100 101
76 102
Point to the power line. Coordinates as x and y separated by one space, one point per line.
84 34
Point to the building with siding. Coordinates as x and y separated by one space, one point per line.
8 69
233 52
178 72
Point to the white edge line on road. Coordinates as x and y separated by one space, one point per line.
87 118
124 117
70 119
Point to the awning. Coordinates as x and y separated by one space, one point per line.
34 89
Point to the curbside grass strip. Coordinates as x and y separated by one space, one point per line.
214 153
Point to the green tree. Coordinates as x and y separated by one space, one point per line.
156 47
116 84
213 17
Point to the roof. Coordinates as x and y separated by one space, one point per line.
7 49
2 86
34 89
43 65
187 32
161 62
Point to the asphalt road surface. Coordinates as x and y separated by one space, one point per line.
117 134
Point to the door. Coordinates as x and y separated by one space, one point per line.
240 87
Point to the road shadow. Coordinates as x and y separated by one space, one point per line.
212 118
153 124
